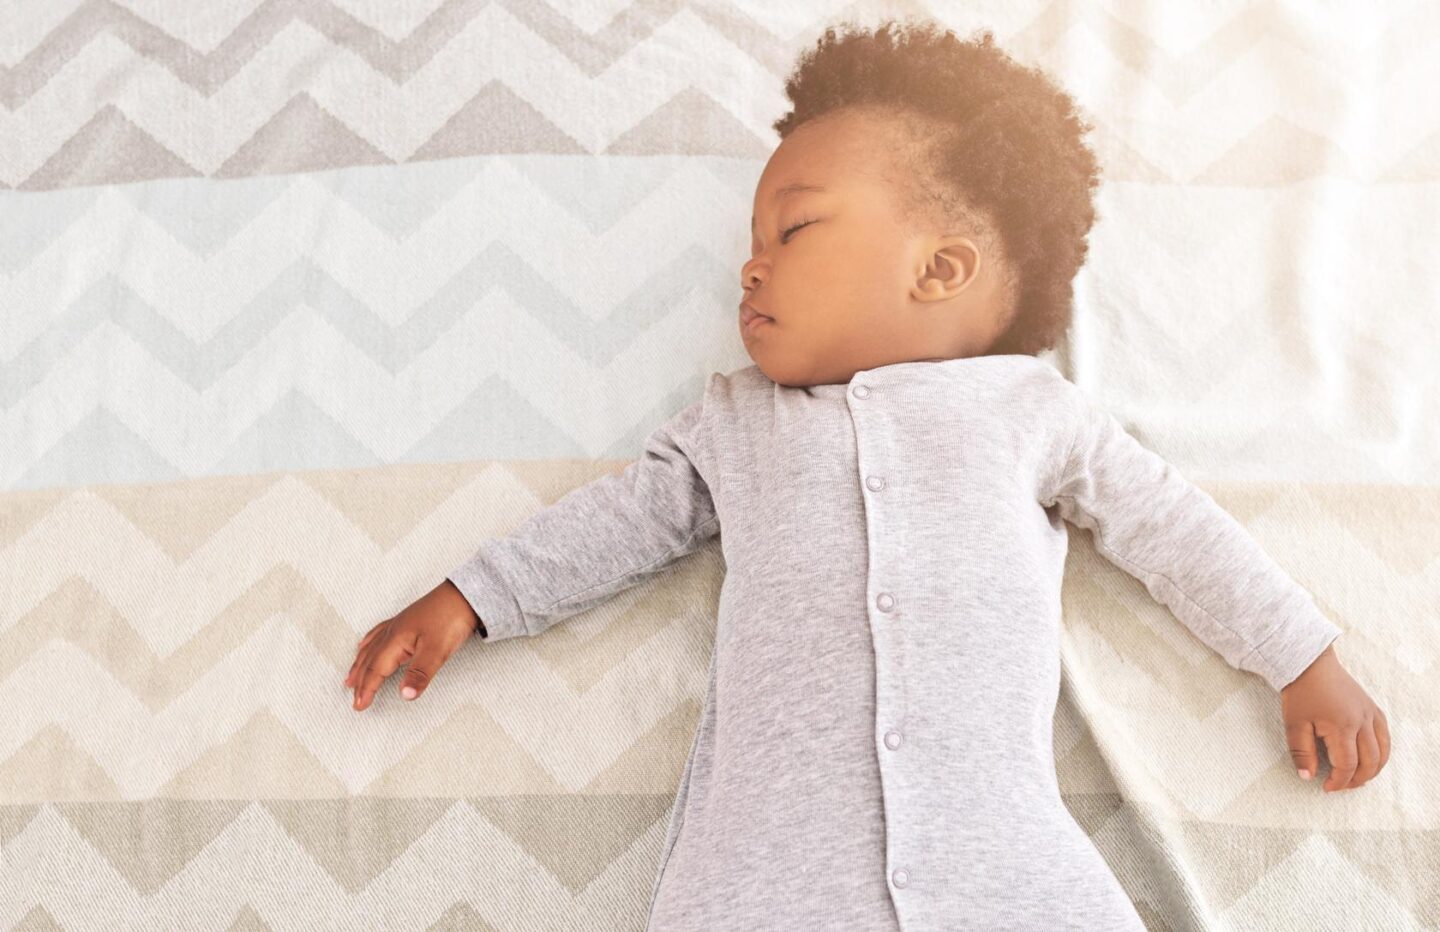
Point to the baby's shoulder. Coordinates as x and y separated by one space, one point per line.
1024 381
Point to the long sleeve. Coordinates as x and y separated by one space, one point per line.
1191 554
596 540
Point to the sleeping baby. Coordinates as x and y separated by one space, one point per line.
894 476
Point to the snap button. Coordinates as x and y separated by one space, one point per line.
892 739
861 391
886 601
901 877
875 483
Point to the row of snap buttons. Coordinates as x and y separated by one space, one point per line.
886 602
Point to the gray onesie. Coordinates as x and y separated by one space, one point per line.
875 750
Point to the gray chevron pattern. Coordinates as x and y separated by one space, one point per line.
300 299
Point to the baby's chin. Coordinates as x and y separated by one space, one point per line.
777 371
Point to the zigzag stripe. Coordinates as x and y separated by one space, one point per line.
595 52
350 112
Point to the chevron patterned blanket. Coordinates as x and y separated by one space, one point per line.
299 301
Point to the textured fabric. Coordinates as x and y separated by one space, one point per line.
875 749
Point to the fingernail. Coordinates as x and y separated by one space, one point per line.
408 692
1304 774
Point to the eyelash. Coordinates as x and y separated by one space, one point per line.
785 234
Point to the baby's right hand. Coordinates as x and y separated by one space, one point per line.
424 635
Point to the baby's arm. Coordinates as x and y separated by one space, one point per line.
1152 522
597 539
1198 560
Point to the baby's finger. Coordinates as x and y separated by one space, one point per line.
355 667
1382 735
1340 746
362 666
1300 737
360 649
1369 749
387 659
362 660
421 669
370 635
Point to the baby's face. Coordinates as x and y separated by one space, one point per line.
852 289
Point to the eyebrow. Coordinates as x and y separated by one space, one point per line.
794 187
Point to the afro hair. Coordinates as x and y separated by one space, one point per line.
987 144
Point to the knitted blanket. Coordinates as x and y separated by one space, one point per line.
300 301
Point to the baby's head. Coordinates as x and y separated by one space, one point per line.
957 194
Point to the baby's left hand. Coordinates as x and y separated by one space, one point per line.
1326 702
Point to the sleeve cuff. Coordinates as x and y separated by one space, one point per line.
1292 648
491 597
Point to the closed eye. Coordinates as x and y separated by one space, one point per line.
785 234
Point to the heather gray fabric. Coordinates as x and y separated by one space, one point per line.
875 750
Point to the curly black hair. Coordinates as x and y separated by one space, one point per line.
987 144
